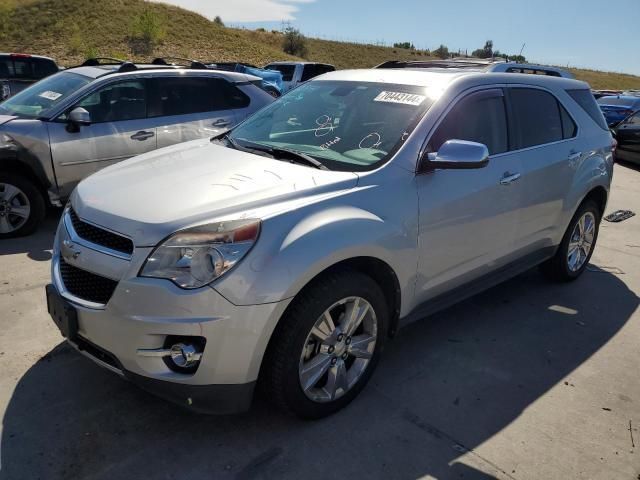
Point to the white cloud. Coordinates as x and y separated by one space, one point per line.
242 10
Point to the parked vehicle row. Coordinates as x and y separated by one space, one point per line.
617 108
75 122
288 250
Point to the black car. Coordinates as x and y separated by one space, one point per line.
627 134
19 70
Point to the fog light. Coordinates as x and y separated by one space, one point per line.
184 355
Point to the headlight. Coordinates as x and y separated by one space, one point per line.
195 257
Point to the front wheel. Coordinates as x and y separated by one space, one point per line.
327 345
22 207
578 244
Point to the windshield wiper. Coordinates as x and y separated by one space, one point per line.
297 157
278 153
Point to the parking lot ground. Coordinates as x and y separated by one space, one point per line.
529 380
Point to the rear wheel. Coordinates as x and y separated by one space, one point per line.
577 245
22 206
327 345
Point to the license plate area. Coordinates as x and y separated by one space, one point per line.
62 312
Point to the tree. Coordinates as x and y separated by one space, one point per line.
294 43
218 21
406 45
441 52
484 52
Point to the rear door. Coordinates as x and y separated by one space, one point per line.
628 137
119 130
188 108
545 141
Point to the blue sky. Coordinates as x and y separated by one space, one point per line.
580 33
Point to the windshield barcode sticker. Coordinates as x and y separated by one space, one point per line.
400 97
49 95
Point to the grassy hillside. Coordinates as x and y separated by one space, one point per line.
71 30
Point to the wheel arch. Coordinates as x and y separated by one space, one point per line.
379 270
12 165
599 195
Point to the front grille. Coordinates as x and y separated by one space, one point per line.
100 236
85 285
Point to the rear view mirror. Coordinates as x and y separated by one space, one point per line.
80 117
457 154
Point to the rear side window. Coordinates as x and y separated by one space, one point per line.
184 96
480 117
587 101
43 68
537 117
569 128
309 72
26 68
287 71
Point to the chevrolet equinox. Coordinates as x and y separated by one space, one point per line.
288 251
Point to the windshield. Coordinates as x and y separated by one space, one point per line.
41 98
349 126
286 71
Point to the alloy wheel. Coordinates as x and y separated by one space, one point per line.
338 349
15 208
581 241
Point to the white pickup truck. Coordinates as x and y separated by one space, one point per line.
295 73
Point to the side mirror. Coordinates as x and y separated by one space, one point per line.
457 154
80 117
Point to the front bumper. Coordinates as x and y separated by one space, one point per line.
143 312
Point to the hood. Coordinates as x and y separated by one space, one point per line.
153 195
6 118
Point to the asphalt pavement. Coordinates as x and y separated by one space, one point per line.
529 380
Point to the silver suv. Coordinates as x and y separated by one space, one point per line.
71 124
289 251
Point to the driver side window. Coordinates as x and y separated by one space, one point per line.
480 117
117 102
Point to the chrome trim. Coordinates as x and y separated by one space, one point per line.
94 246
62 290
163 352
96 360
94 160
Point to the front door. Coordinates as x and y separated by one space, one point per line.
468 218
119 130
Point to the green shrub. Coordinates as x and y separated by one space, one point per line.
147 31
294 43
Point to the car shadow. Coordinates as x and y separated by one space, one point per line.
38 245
444 386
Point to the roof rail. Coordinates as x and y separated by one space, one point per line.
96 61
190 63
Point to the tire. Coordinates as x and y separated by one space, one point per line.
19 194
293 345
561 267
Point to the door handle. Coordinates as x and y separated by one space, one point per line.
509 178
221 122
142 136
573 156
